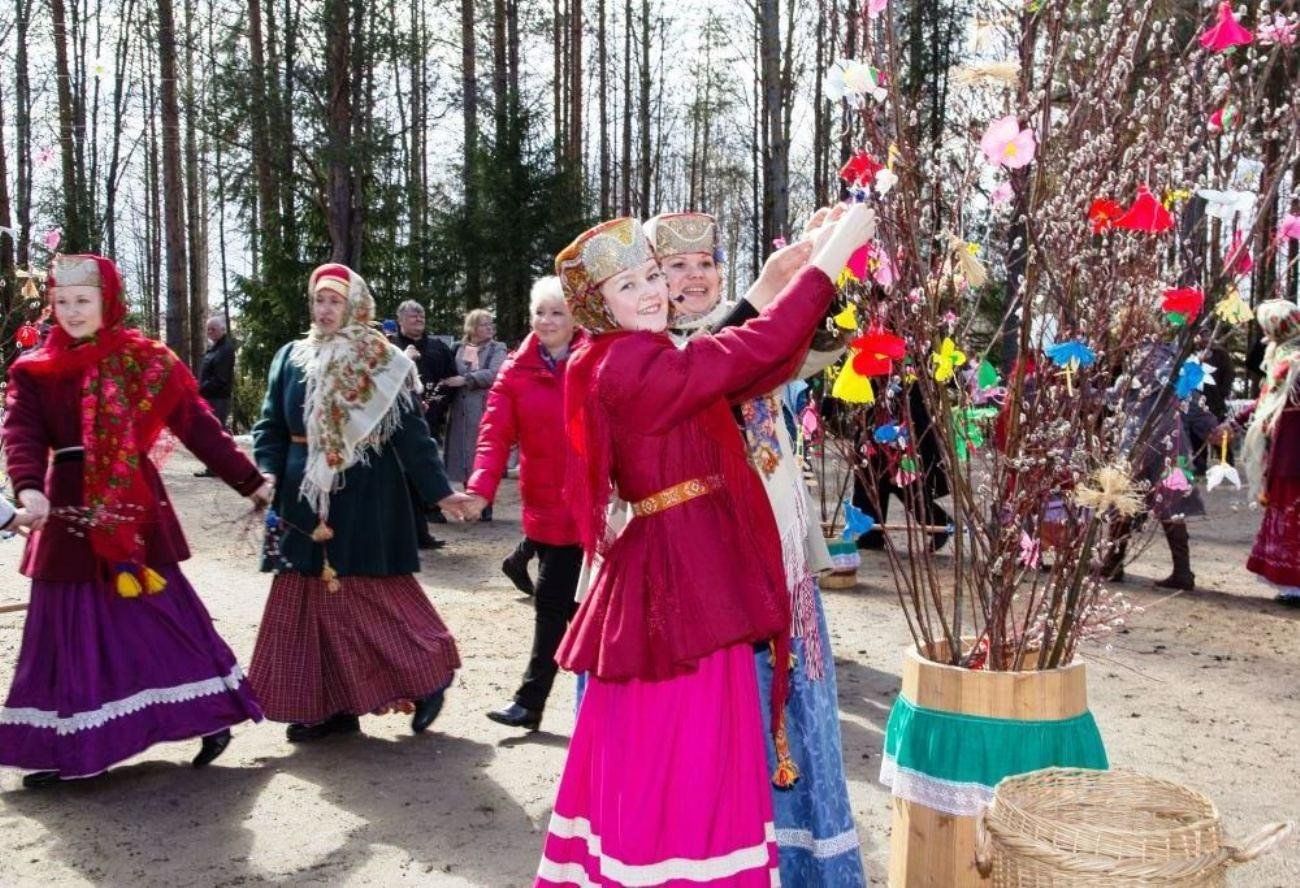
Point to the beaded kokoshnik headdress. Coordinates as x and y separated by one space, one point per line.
594 257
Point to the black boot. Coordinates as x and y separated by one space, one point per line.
212 746
515 567
516 716
1181 551
342 723
426 710
41 779
1112 568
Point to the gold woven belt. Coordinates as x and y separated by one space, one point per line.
298 439
676 495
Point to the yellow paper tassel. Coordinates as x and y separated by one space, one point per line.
127 585
331 578
153 581
322 533
852 387
848 318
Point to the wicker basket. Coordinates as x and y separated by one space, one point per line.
1068 828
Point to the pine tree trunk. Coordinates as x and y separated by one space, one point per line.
74 235
338 124
197 245
574 140
602 64
178 303
285 140
643 115
259 124
6 221
625 203
121 61
776 186
23 135
469 91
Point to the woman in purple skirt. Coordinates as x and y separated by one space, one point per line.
118 651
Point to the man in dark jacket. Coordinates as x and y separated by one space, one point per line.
434 361
217 374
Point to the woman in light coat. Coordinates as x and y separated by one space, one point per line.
478 358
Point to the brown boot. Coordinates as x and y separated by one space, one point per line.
1180 550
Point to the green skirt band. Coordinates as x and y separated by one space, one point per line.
951 762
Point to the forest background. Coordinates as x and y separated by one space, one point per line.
219 149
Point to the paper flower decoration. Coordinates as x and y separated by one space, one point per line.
1224 118
876 352
968 423
1232 309
1276 31
1182 305
876 7
1193 376
1145 214
1070 356
1226 204
1006 144
1226 32
850 79
27 336
946 360
1111 489
1176 481
860 169
52 238
1002 194
1221 471
1290 227
1103 213
847 319
1238 260
852 387
886 179
856 522
908 471
1029 551
810 422
888 433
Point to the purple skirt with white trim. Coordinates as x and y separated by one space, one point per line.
101 677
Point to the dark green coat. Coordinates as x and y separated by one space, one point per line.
372 517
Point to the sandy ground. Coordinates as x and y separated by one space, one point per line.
1203 689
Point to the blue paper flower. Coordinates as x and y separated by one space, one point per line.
1072 351
1190 377
888 433
856 522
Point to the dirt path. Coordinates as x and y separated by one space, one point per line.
1203 689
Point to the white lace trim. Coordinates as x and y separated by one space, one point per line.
94 718
822 849
948 796
634 875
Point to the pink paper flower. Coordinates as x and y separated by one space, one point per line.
1238 259
1006 144
882 271
1290 227
876 7
1002 194
52 238
1279 31
1226 32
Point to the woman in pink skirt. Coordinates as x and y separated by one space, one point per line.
666 781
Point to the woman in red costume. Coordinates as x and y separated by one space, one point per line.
666 779
118 651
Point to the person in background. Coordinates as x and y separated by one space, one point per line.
526 408
434 361
1216 394
478 358
217 375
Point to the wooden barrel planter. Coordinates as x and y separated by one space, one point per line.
953 734
846 559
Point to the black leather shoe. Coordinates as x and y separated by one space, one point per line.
41 779
426 710
206 473
516 570
430 543
213 745
343 723
516 716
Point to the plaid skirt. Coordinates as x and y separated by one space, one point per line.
374 642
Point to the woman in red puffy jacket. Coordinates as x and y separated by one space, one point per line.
526 407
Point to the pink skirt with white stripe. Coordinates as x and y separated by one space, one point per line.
666 784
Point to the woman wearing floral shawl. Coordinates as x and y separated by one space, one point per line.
1272 451
347 630
118 650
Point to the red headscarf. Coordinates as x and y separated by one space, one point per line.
119 368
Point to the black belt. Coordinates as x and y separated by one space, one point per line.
69 454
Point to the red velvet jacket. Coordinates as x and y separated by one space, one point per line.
43 415
685 582
526 407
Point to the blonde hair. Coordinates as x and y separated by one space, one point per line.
545 289
472 320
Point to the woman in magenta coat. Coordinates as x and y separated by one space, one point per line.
526 407
118 651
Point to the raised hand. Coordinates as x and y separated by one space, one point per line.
834 245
